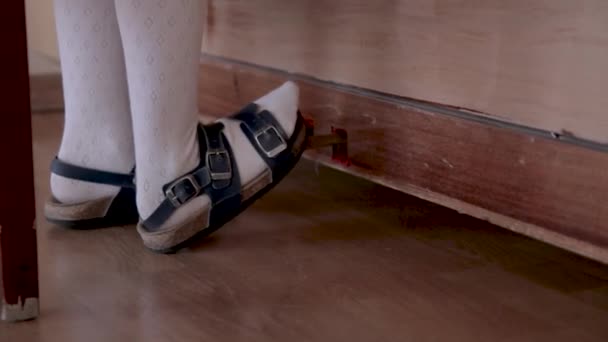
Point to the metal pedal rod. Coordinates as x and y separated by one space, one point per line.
338 140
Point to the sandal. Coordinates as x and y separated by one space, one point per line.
217 176
99 213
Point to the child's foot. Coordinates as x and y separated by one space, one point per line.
112 205
239 159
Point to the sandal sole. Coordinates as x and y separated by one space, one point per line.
122 211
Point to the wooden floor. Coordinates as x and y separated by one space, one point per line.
323 257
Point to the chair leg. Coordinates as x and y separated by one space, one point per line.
18 255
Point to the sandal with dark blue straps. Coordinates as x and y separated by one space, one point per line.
217 176
99 213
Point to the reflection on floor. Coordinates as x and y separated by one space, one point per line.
322 257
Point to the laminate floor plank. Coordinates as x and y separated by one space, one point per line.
324 257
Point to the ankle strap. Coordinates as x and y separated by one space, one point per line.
80 173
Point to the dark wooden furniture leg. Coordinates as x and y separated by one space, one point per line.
17 207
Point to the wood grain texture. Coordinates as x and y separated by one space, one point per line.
543 188
538 63
46 89
17 210
323 257
46 93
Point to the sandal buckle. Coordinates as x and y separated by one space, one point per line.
190 187
270 151
219 158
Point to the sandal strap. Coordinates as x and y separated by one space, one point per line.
216 175
217 156
80 173
265 134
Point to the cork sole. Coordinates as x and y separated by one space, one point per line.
100 213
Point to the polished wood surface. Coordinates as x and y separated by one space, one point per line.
537 186
46 90
538 63
46 93
18 268
323 257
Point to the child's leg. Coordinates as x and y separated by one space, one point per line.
162 49
97 132
162 41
